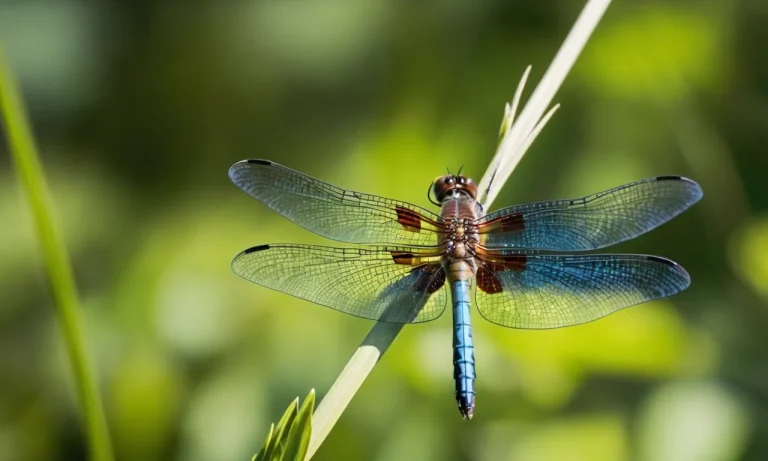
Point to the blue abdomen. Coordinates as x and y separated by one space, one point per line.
463 349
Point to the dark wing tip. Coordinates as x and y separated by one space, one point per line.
243 270
697 194
258 161
236 260
668 262
658 259
250 161
255 249
243 164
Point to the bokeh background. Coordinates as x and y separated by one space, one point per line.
140 108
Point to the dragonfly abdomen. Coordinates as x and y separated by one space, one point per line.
463 349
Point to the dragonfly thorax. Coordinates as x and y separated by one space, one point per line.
460 236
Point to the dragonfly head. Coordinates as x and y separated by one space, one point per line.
451 184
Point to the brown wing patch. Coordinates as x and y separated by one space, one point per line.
491 262
403 257
487 281
409 219
419 258
513 222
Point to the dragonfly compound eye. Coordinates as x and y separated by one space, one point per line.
467 185
443 185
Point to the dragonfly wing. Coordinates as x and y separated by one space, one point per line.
591 222
392 284
333 212
549 291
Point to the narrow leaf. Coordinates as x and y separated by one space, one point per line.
298 438
262 454
284 429
275 449
288 416
29 170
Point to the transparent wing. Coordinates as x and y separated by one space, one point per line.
543 291
332 212
392 284
591 222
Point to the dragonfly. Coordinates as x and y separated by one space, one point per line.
526 261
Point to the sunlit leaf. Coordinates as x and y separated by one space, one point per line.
284 429
298 437
261 455
288 441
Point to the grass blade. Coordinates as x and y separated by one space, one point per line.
297 441
32 180
262 454
288 441
283 428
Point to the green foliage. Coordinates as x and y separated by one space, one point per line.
289 441
32 181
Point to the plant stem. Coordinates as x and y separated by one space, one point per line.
31 177
518 138
349 381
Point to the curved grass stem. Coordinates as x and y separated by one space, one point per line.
349 381
32 181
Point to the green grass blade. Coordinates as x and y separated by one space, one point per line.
288 441
274 450
297 441
350 380
288 416
262 454
32 180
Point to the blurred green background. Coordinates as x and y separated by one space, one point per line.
141 107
